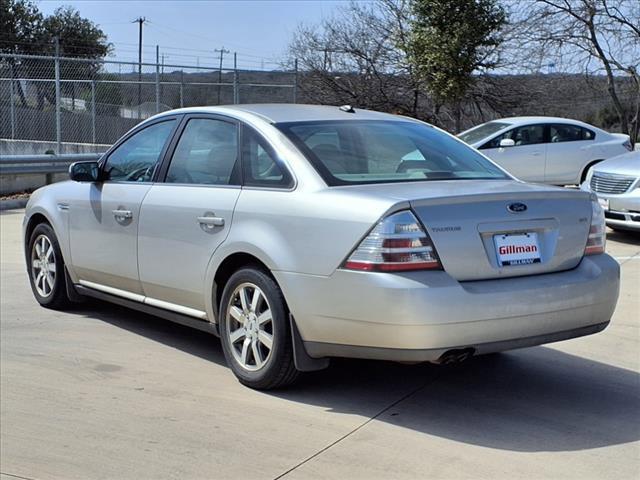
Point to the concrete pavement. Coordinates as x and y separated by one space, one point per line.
105 392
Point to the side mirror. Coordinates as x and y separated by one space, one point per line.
507 142
84 172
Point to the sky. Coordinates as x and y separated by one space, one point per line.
190 31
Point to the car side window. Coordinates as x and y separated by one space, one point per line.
569 133
206 154
525 135
136 158
260 167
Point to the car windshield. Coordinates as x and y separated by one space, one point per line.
482 131
357 152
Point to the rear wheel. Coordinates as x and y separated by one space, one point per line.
255 330
583 177
46 268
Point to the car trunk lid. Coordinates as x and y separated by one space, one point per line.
463 217
507 231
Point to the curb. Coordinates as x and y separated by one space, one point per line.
13 203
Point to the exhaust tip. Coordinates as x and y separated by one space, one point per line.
455 357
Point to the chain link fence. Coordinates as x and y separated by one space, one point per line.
58 99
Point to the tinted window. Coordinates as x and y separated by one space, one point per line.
526 135
261 169
387 151
137 157
569 133
482 131
206 153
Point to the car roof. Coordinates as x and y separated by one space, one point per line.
541 119
291 112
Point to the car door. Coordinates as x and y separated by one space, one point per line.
569 151
185 217
526 159
104 215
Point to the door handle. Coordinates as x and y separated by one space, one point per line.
122 214
536 154
211 221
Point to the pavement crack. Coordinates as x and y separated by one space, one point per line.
16 476
362 425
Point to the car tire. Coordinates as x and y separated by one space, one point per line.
45 267
255 330
583 176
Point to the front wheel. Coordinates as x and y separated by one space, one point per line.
255 330
46 268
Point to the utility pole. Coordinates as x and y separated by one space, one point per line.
222 51
140 21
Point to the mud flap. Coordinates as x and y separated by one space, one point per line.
301 358
72 293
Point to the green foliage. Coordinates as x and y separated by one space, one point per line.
24 30
78 36
450 40
20 26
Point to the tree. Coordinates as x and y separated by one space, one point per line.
356 57
20 27
450 41
594 37
24 30
20 32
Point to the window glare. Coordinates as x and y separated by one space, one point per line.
482 131
355 152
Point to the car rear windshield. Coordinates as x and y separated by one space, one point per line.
352 152
482 131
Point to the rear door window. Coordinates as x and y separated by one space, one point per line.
206 154
569 133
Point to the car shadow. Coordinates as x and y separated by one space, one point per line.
622 236
530 400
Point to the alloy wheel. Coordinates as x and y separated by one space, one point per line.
250 326
43 265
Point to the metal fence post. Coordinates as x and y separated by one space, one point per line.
12 106
58 100
93 111
182 89
295 81
157 79
236 96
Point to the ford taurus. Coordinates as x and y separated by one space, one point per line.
298 233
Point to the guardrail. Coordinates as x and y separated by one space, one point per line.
44 164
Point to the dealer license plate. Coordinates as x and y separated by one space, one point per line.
517 248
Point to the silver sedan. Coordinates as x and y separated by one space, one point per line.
617 183
298 233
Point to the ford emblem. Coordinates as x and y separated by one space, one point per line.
517 207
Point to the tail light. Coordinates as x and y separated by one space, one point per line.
597 231
627 145
397 243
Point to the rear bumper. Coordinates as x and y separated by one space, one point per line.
419 315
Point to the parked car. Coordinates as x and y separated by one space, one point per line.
617 183
297 233
549 150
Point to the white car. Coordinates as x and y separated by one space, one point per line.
549 150
617 183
